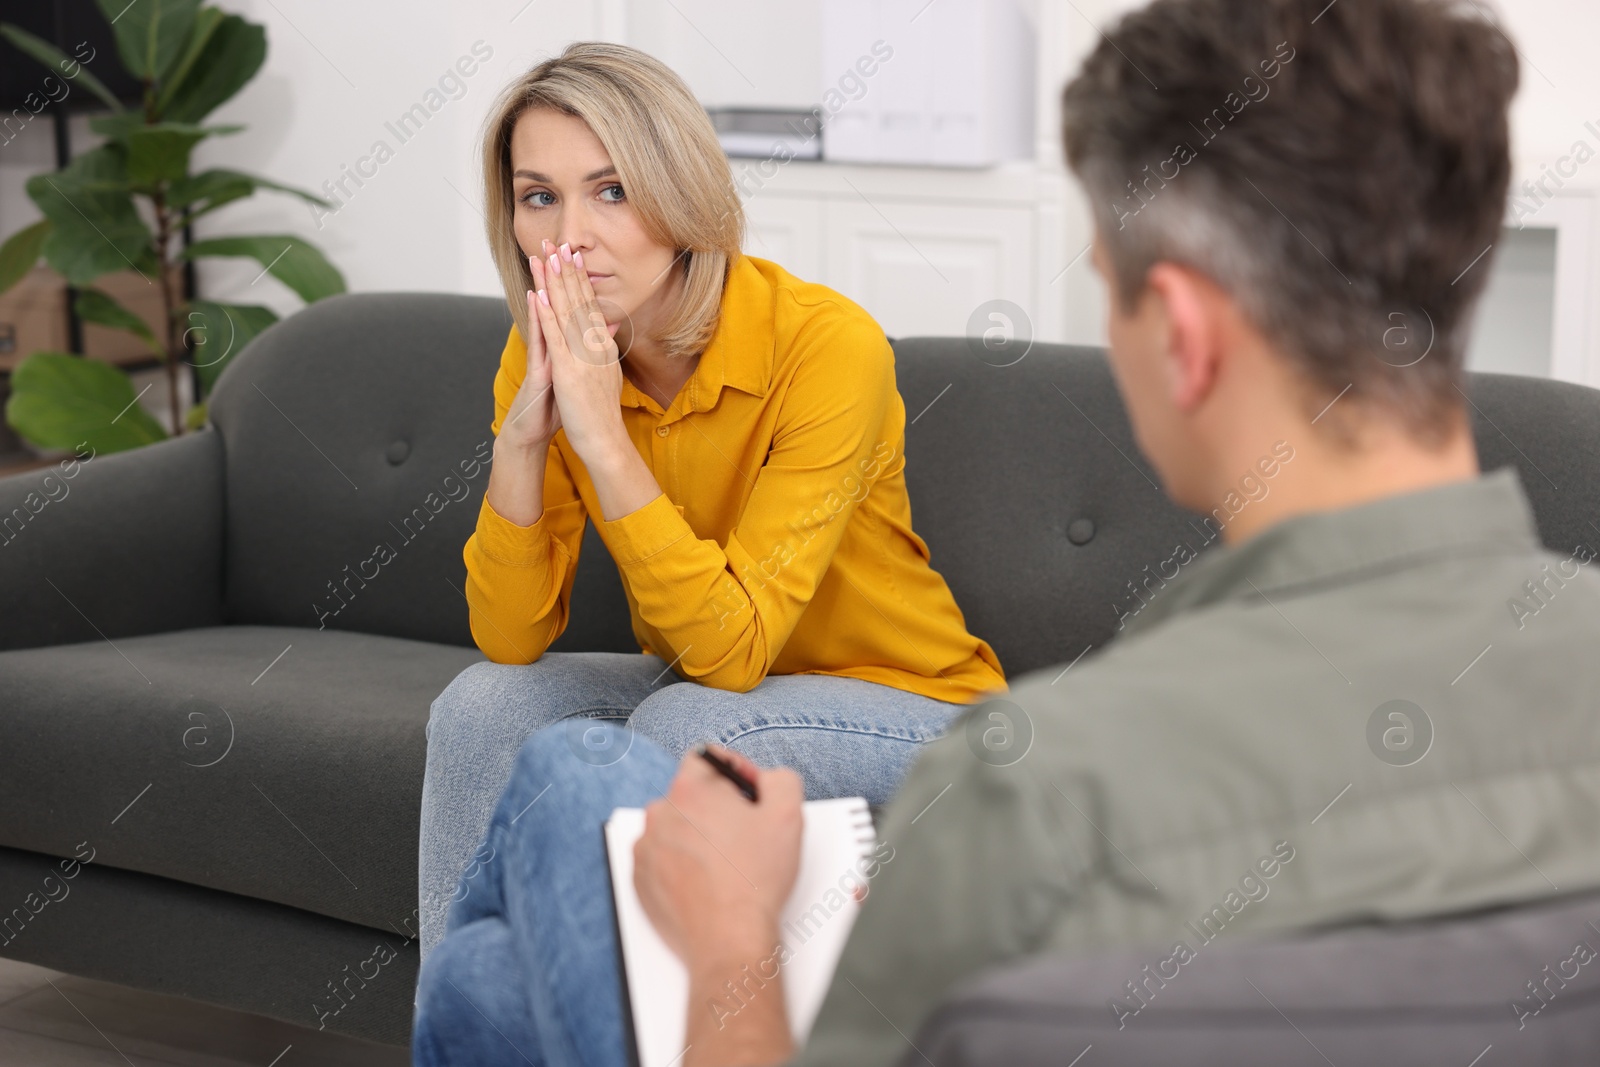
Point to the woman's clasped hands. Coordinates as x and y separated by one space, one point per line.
574 374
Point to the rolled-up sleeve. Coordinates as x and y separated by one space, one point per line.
519 578
727 610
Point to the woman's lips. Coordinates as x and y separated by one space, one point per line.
594 277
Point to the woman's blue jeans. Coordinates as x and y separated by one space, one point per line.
845 736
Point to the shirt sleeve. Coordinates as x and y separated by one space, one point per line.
519 578
974 863
726 611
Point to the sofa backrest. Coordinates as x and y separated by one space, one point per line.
1525 980
1048 523
357 432
345 428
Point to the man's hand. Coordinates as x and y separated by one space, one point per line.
713 871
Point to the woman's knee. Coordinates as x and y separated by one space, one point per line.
491 698
840 745
468 696
527 696
680 716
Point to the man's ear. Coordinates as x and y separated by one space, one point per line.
1194 339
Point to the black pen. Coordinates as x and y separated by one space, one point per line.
724 768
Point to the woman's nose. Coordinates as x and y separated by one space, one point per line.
577 242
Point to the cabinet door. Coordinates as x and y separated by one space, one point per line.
786 230
925 269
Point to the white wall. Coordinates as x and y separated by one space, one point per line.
337 79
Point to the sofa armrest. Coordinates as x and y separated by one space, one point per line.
113 545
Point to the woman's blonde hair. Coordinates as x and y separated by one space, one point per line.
670 164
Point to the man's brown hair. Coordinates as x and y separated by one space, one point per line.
1340 169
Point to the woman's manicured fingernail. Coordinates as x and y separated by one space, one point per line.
566 252
530 296
577 257
544 297
555 264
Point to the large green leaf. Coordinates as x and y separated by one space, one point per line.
205 192
231 58
219 186
61 401
194 46
55 59
218 332
94 306
21 252
150 33
95 228
294 262
160 153
148 265
116 128
123 129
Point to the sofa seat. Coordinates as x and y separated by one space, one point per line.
202 756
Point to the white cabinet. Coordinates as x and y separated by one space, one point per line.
786 230
924 268
920 248
946 84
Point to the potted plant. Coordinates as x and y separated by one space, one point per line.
126 204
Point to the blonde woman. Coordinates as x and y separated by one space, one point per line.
736 436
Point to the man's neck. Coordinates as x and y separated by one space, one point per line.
1324 477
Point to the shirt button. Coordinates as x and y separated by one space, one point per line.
661 431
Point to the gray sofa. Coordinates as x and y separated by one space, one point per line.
214 678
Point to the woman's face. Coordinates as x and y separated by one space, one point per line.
565 190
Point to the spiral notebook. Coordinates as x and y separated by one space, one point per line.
835 844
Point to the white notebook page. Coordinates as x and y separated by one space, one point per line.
837 838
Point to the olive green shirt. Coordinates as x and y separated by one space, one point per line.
1381 712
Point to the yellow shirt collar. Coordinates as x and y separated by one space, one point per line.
740 351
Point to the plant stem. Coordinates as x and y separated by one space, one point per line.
169 309
172 340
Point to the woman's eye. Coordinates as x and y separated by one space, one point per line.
620 194
528 197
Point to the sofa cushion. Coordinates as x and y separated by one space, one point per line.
1049 523
1416 994
360 422
278 763
1034 501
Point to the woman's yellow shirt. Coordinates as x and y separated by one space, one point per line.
782 540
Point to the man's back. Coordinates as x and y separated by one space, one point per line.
1375 713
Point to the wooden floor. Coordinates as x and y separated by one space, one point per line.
51 1018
